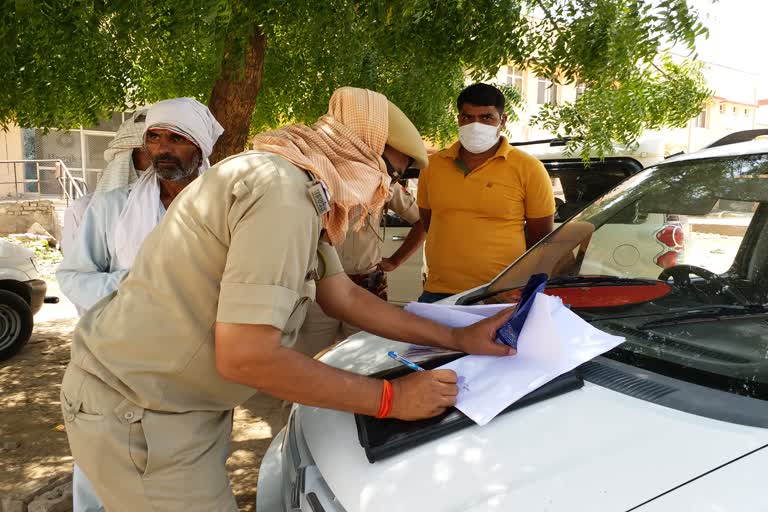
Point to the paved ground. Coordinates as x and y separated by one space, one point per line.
34 444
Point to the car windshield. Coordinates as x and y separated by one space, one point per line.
675 259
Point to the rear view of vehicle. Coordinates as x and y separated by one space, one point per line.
22 293
633 242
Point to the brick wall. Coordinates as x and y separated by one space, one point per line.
18 216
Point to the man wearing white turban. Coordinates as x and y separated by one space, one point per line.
122 153
178 136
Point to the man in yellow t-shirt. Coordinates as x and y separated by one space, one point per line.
482 201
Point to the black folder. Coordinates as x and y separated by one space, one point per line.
382 438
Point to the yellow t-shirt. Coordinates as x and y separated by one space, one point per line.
478 219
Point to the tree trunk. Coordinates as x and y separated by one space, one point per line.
234 96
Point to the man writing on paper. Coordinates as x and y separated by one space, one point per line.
213 303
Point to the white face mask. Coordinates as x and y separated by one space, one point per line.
478 137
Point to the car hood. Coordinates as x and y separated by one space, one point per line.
590 449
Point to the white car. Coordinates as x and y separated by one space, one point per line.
22 293
674 419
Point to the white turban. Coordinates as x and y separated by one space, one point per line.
190 119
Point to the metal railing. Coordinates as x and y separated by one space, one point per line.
51 178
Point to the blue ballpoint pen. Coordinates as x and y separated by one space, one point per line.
400 359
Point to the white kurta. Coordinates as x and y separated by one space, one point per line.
90 269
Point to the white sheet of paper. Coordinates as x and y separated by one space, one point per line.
455 316
450 315
554 340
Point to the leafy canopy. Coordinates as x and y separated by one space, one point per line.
68 62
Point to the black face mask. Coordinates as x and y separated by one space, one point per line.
393 173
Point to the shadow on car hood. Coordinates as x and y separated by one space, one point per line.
591 449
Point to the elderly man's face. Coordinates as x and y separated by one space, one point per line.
174 157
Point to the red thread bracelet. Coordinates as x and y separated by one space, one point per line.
385 407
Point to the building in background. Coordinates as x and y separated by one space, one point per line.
734 106
762 113
81 149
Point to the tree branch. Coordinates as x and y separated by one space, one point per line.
234 96
664 73
549 16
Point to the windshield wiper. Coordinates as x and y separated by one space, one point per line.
709 314
564 282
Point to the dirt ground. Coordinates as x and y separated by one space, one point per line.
33 444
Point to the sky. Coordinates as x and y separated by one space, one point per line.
736 36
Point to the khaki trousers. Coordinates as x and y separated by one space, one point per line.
138 459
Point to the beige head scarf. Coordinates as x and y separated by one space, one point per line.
343 149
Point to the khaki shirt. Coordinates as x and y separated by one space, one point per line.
238 245
361 250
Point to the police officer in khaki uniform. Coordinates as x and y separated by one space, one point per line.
361 258
211 307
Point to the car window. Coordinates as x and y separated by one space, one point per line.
576 185
714 239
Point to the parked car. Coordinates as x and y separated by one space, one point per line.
638 244
22 293
673 419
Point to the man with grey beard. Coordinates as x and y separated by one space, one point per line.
178 137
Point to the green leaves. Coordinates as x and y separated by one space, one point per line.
67 62
660 94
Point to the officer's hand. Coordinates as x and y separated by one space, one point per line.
422 395
480 338
387 265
